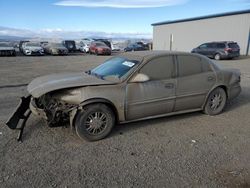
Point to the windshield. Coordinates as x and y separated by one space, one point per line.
100 44
4 44
33 44
116 67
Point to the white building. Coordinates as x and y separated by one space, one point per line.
186 34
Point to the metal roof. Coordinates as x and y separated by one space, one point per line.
203 17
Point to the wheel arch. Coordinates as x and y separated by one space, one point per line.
91 102
224 87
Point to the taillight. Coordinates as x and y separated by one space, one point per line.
228 49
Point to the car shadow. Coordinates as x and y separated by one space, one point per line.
120 129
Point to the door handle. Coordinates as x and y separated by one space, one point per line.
169 86
210 78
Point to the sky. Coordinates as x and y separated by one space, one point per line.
65 18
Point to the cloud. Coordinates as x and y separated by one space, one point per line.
67 34
121 3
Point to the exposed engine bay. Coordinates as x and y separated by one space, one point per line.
57 111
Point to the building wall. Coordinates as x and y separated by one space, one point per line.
188 35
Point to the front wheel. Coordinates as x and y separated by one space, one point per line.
216 102
95 122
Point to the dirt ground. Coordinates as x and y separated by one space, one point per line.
191 150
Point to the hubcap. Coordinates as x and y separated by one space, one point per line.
217 57
215 101
96 123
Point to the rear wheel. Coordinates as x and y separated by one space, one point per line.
216 102
217 57
95 122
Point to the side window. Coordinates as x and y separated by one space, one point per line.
210 45
220 45
203 46
159 68
190 65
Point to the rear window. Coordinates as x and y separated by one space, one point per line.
160 68
233 45
190 65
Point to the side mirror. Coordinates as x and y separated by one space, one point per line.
140 78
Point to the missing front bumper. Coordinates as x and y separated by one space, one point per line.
22 112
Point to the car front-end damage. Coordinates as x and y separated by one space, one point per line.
55 111
54 98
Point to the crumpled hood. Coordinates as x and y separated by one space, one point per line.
53 82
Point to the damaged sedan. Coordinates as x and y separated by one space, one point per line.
129 87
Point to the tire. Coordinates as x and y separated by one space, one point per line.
95 122
216 102
217 57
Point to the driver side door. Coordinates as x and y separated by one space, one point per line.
153 97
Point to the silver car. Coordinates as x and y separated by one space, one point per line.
32 48
129 87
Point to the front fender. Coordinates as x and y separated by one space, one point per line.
73 113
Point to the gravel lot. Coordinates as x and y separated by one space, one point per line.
191 150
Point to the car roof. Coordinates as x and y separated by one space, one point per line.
221 42
146 55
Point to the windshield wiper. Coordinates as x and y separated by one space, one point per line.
96 75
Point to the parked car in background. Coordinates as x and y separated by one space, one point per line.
55 49
129 87
44 43
6 49
115 47
105 41
134 47
87 40
32 48
70 45
145 45
99 48
84 47
21 45
219 50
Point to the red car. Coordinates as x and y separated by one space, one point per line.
99 48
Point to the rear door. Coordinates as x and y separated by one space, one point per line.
156 96
194 81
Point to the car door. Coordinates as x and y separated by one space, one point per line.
194 81
211 49
153 97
